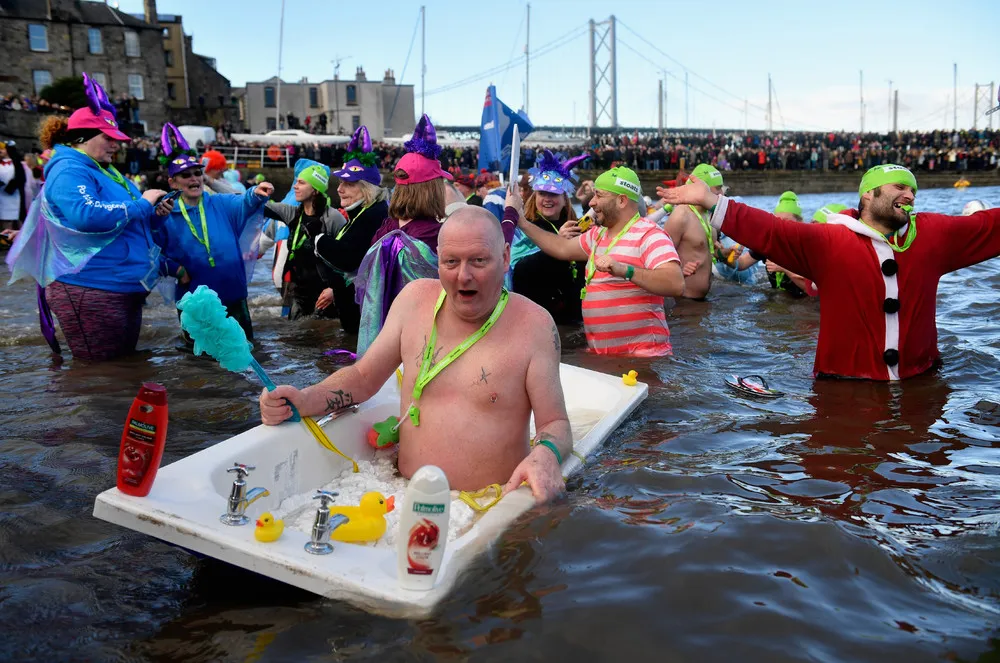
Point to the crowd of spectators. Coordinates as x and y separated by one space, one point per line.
840 151
964 150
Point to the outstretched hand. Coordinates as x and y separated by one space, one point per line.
695 192
264 189
541 471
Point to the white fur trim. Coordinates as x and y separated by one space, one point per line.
719 215
884 253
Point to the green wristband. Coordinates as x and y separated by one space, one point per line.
629 272
552 447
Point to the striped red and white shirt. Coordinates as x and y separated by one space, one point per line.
619 317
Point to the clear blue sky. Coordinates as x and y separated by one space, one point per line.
813 53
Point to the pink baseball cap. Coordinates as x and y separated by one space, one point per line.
417 168
84 118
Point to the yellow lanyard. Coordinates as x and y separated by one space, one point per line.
350 221
111 172
591 267
572 265
204 241
708 232
428 373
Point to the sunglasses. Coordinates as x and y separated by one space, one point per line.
189 173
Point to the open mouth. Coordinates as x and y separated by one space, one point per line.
466 293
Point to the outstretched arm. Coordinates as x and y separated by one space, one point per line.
788 243
971 239
354 384
540 468
551 243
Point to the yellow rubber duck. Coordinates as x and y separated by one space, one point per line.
366 521
630 379
268 529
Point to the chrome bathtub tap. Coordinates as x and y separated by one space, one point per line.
324 524
239 497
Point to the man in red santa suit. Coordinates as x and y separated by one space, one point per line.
878 268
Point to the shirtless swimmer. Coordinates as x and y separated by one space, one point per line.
472 417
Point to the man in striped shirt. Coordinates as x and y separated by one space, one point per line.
631 266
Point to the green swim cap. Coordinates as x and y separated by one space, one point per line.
259 178
316 177
788 204
886 174
620 180
710 175
827 210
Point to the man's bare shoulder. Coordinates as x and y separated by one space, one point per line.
535 325
415 292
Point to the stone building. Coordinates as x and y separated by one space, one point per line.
44 40
196 92
387 109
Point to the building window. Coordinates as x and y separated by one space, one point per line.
355 122
172 91
135 86
100 79
169 58
352 95
38 37
269 97
132 44
166 33
313 97
272 125
94 43
42 79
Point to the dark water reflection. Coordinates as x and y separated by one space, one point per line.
845 522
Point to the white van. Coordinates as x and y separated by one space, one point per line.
197 137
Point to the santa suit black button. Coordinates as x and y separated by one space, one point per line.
891 305
891 356
889 267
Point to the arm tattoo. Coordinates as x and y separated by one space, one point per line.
555 339
338 400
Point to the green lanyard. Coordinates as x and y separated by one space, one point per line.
427 373
203 240
350 221
708 232
296 242
591 267
911 234
111 172
572 265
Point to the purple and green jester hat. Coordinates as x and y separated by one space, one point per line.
360 162
177 155
553 175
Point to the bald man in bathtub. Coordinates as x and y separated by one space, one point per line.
478 362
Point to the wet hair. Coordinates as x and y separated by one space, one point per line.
531 209
422 200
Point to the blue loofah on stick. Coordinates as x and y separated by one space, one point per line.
205 320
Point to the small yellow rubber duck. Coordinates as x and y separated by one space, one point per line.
630 379
268 529
366 521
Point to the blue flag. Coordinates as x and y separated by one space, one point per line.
497 131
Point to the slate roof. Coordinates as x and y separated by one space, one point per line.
71 11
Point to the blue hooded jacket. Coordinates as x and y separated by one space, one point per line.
233 220
84 199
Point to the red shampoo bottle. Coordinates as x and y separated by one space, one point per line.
143 440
